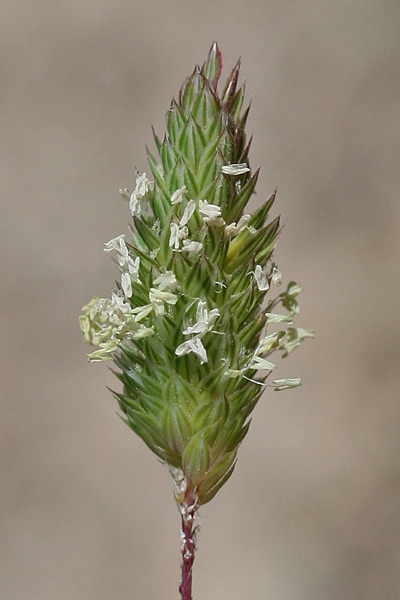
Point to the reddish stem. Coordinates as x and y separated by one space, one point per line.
188 546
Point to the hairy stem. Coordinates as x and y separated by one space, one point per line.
188 510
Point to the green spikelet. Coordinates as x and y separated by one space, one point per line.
187 325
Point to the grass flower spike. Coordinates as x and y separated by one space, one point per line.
193 322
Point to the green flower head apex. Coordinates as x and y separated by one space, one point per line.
196 312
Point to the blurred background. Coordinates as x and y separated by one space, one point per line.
312 511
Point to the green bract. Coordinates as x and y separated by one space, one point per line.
187 325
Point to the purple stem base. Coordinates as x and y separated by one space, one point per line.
188 547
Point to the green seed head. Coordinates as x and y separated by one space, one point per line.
187 325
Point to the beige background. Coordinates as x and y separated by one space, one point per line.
312 511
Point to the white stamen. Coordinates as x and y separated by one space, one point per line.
235 228
142 188
276 276
261 279
211 213
230 230
142 311
133 266
142 332
295 335
158 297
126 284
243 221
286 384
177 234
204 320
235 169
118 303
275 318
104 353
117 244
177 196
168 297
261 364
270 342
165 281
194 345
135 207
193 248
143 185
187 213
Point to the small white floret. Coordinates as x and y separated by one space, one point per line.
168 297
165 281
126 284
194 345
135 207
142 311
142 188
211 213
133 266
230 230
158 297
143 185
235 169
142 332
177 234
204 320
118 244
104 353
178 195
193 248
235 228
261 364
243 221
275 318
286 384
276 276
261 279
187 213
269 342
118 303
